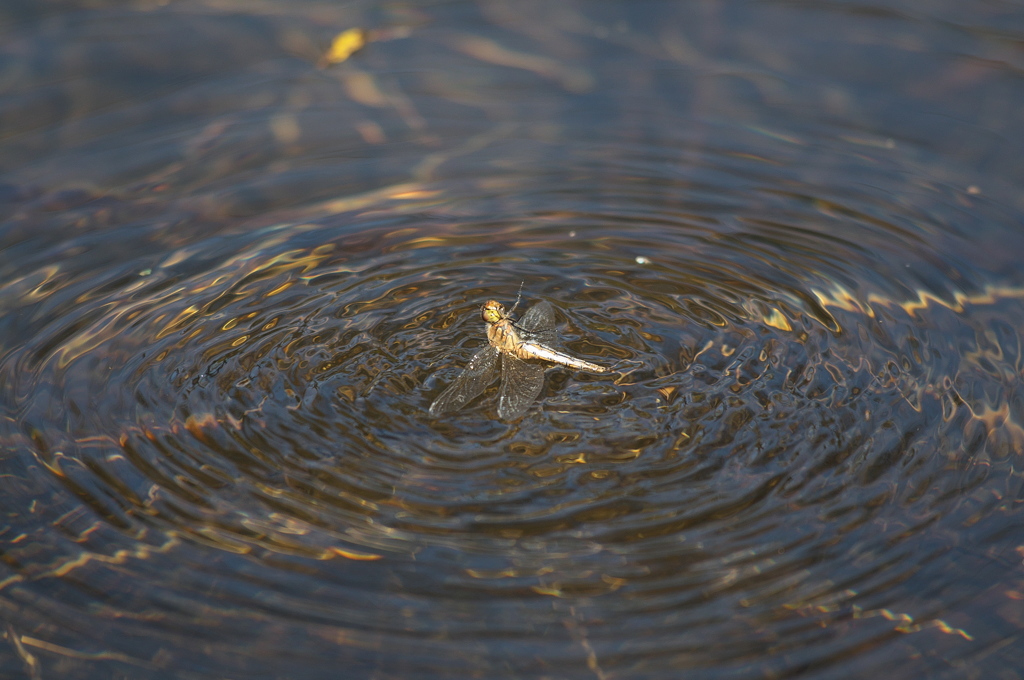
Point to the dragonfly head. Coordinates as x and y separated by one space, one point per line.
492 312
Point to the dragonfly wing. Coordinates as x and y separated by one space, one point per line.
474 379
540 317
521 382
538 325
547 337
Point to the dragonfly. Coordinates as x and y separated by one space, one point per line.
515 350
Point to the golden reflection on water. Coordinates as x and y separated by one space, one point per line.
218 362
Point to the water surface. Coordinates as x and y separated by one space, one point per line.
233 281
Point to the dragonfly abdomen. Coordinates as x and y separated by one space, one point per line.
529 350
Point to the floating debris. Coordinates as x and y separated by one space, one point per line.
344 45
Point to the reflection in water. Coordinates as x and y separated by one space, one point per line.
231 280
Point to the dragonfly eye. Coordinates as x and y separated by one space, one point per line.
492 312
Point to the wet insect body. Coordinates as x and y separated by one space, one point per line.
513 350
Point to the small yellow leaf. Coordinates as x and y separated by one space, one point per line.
344 46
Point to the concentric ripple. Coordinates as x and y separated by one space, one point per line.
217 355
253 410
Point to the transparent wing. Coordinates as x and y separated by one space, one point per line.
521 382
540 317
474 379
539 324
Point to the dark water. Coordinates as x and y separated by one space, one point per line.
233 282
